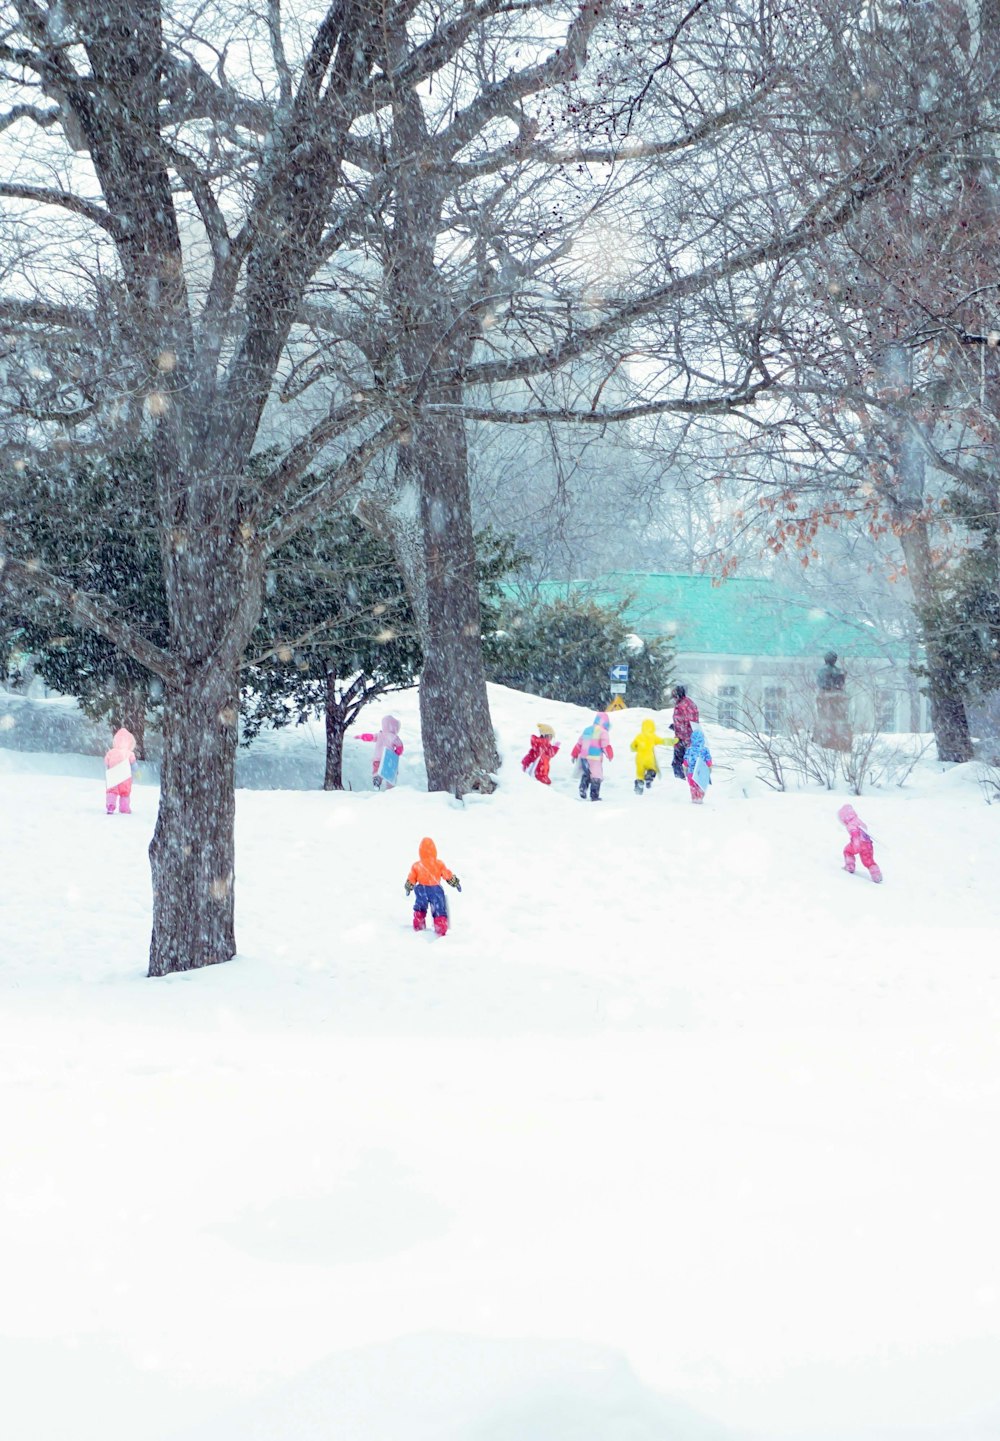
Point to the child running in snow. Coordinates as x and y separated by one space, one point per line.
860 843
118 763
590 750
424 881
388 749
647 767
698 765
543 748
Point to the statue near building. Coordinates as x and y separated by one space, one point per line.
833 726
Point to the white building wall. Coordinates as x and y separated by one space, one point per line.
876 689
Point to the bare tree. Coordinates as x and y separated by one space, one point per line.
885 340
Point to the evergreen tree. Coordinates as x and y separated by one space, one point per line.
91 520
337 631
564 650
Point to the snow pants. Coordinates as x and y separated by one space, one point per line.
588 781
861 846
697 794
120 795
433 897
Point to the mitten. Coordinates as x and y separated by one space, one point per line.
575 753
609 753
454 881
364 736
408 887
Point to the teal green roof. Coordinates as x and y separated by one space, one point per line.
739 616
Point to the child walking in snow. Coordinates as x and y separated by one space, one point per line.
685 716
118 763
388 749
424 881
860 843
647 767
698 764
590 750
543 748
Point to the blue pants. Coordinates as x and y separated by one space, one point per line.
433 896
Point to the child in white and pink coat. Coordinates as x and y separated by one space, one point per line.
388 749
118 763
860 843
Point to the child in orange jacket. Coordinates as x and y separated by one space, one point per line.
424 881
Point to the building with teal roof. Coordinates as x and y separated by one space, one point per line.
749 640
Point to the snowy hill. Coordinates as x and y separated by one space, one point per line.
682 1132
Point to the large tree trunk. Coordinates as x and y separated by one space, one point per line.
192 850
949 721
438 327
214 577
947 702
460 748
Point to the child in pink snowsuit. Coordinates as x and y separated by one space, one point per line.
388 749
860 843
118 763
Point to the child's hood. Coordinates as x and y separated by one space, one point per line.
391 724
123 741
849 816
428 851
601 719
648 728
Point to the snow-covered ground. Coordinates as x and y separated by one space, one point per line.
681 1133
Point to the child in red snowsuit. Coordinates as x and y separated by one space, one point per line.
860 843
543 748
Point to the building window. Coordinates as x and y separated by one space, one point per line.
885 710
726 706
773 708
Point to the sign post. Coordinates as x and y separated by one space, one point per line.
618 675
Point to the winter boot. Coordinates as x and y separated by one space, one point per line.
875 874
849 867
584 782
419 920
650 778
441 925
639 788
112 801
125 806
595 790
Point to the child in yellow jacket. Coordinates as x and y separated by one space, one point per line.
647 767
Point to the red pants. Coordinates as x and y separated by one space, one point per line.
862 848
120 793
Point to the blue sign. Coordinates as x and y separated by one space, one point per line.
619 673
